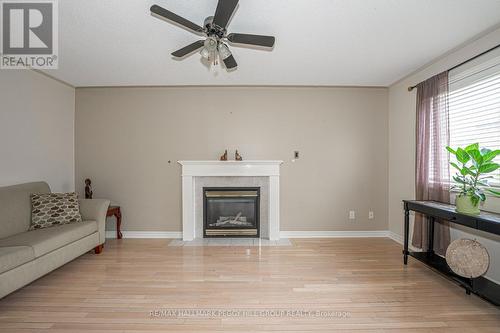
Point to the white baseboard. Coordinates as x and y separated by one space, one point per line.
395 237
145 234
492 280
333 234
283 234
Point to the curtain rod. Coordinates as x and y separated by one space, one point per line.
463 62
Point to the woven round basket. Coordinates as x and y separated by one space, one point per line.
467 258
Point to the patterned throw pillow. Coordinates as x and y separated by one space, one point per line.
50 209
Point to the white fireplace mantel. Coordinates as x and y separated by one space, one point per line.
259 168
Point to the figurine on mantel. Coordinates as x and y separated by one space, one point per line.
88 189
237 156
224 156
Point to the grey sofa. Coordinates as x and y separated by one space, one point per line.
27 255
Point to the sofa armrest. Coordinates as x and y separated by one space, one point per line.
95 210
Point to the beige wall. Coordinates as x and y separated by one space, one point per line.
402 121
36 130
125 138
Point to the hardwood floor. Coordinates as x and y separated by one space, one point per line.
363 280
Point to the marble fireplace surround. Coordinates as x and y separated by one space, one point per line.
257 173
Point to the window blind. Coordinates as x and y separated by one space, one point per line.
474 106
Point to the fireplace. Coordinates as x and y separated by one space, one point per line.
231 212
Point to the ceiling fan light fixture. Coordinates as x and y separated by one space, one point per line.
224 52
211 44
205 53
215 29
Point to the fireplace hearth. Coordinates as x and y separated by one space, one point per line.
231 212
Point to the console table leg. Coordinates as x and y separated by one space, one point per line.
430 239
468 290
406 236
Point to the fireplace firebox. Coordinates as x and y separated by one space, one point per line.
231 212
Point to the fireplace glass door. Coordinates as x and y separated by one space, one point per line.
231 212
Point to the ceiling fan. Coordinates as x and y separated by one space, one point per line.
214 28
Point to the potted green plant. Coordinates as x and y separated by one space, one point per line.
472 179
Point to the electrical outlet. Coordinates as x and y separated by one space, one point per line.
371 216
296 155
352 215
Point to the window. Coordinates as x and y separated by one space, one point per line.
474 105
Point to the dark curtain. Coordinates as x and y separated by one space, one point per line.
432 180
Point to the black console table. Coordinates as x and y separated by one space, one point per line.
487 222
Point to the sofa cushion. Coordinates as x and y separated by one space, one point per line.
49 209
46 240
15 207
13 256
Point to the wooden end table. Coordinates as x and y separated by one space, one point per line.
116 212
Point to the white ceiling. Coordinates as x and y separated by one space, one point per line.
318 42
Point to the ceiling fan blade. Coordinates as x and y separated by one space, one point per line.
225 9
230 62
160 11
189 49
267 41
